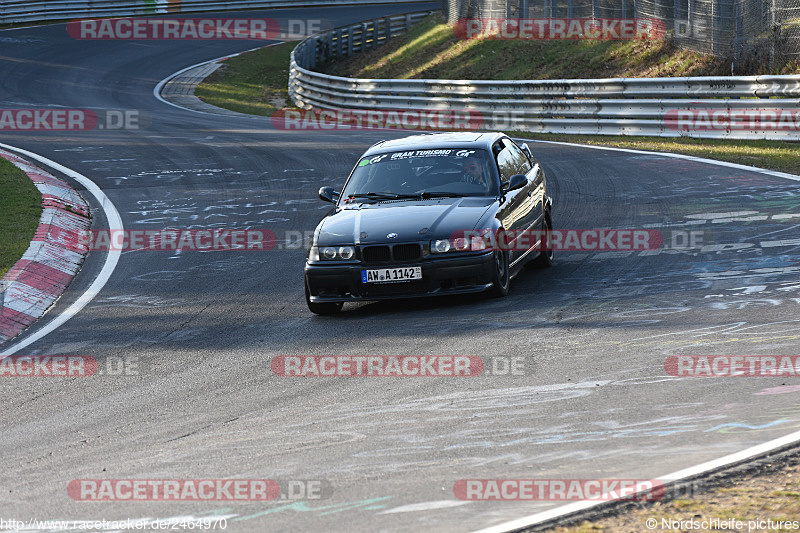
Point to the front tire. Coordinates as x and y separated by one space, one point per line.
500 279
323 309
546 256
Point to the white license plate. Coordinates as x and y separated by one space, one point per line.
388 275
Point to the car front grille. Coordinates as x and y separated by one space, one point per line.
406 252
376 254
398 252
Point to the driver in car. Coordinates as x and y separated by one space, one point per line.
473 172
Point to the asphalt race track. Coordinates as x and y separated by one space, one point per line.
594 400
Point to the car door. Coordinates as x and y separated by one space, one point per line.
536 183
517 213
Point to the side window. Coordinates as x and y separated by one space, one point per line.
506 164
522 164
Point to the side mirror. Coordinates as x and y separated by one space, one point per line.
527 150
327 194
517 181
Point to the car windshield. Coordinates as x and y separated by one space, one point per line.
432 173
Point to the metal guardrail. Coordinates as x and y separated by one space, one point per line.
759 106
339 43
14 11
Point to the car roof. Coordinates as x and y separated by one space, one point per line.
428 141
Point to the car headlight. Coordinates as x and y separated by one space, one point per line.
468 243
331 253
441 246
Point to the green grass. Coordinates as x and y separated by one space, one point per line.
432 50
20 209
255 82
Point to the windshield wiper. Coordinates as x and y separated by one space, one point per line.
425 195
383 196
395 196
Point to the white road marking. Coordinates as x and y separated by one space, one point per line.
737 166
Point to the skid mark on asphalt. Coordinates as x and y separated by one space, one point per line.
211 269
731 426
424 506
137 301
223 213
784 389
369 504
400 445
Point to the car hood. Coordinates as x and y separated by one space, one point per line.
411 221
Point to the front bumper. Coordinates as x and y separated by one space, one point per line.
467 273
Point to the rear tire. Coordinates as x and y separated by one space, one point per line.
325 308
545 257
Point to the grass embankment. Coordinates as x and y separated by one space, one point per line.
432 50
20 209
773 496
256 82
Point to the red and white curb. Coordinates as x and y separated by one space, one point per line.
53 258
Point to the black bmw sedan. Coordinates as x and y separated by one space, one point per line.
420 216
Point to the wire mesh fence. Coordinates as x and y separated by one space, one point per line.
761 31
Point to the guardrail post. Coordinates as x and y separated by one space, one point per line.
739 42
774 35
350 41
312 56
339 43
